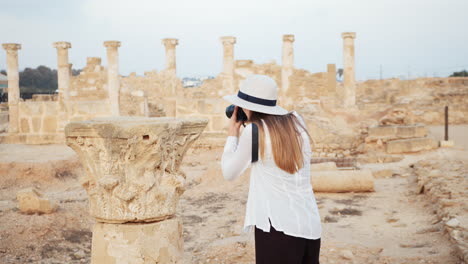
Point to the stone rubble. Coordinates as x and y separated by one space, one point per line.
31 201
445 183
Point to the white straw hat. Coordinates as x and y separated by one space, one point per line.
258 93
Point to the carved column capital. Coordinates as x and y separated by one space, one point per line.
288 38
112 44
170 42
345 35
62 45
11 47
132 164
228 40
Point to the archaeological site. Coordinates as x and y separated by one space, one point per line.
116 169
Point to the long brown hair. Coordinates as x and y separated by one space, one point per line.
286 141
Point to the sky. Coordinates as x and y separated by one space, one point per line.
395 38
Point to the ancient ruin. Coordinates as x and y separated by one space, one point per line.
381 168
134 183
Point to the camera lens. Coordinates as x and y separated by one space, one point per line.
241 116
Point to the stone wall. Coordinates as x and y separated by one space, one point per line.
443 182
91 83
424 98
212 109
40 122
158 89
38 117
81 111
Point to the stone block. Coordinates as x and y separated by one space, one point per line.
50 124
219 123
30 108
138 243
411 145
342 181
24 125
382 173
386 133
186 107
447 143
132 164
36 123
50 108
411 131
31 201
211 106
324 166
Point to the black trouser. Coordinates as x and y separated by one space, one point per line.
275 247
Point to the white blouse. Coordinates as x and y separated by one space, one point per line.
287 199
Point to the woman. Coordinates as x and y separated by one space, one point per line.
281 205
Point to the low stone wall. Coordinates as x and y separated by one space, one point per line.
81 111
399 139
44 97
38 117
445 183
212 109
386 133
411 145
339 162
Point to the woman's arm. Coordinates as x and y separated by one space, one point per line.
237 154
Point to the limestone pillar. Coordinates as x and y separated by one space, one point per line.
228 63
287 62
349 96
170 45
13 85
113 78
134 183
331 78
63 75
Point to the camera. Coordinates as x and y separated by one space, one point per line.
241 116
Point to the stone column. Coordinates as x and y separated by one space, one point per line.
134 183
349 96
63 75
13 86
228 63
331 78
287 62
170 45
113 78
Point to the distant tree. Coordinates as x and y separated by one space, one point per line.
39 80
463 73
76 72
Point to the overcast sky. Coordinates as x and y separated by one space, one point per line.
419 37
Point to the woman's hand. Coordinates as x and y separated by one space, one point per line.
234 125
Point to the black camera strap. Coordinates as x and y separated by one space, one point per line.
254 142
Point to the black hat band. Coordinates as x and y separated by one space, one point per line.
256 100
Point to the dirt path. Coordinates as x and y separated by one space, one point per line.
391 225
